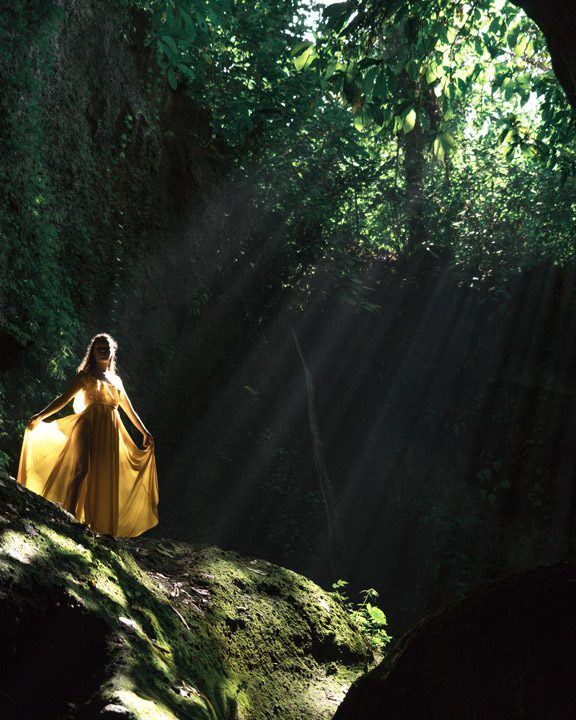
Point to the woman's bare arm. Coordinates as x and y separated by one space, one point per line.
126 405
58 403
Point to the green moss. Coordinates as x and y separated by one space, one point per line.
192 632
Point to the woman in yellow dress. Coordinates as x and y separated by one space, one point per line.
87 461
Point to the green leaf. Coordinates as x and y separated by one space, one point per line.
438 149
169 42
189 29
434 72
336 15
306 57
494 27
369 80
449 141
512 39
300 47
409 121
201 21
331 68
362 119
376 615
521 45
381 85
187 71
172 81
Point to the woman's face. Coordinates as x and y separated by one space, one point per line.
101 349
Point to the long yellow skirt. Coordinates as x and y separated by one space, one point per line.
115 483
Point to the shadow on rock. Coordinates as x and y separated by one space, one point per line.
505 651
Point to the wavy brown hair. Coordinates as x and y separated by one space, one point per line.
88 361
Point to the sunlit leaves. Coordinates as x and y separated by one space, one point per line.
234 57
182 32
452 48
362 120
442 144
517 136
461 76
409 120
368 618
304 55
337 16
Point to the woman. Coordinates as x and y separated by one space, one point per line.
87 461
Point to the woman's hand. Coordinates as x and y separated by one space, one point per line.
34 420
147 439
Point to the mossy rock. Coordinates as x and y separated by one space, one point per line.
504 651
93 627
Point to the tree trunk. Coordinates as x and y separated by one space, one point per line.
557 20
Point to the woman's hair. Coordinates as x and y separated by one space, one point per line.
88 361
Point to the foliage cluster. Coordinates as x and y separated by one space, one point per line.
34 296
294 148
367 617
474 84
35 306
471 81
400 64
474 79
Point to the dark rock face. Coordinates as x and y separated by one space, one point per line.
506 651
54 655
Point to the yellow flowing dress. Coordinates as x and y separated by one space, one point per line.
118 489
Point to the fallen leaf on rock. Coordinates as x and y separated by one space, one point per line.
158 575
200 591
129 623
176 589
186 690
163 551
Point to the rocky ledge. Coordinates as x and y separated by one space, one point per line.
92 627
